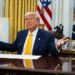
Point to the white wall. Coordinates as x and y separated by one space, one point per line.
4 23
68 17
63 14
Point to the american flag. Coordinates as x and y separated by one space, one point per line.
44 11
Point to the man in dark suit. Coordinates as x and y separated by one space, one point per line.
43 41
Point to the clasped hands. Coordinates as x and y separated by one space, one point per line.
62 42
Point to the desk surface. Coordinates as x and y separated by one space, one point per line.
45 64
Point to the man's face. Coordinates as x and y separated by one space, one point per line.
31 22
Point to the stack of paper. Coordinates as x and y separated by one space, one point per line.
14 56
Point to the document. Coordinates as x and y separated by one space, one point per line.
14 56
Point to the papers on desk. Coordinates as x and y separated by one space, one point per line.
14 56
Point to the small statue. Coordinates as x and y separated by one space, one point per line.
58 34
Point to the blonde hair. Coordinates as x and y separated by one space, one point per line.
33 13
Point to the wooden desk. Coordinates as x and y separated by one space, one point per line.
67 53
46 65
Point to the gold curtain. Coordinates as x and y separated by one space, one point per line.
15 11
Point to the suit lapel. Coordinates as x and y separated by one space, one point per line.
22 40
37 41
24 36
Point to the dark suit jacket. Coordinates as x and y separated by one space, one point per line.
44 43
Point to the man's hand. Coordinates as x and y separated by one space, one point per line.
62 42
